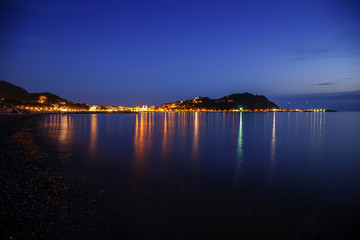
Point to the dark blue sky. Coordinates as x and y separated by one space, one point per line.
151 52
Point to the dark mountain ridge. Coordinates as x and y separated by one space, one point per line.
10 93
245 101
14 94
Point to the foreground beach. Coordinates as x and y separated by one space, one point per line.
39 199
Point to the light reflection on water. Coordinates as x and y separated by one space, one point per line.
93 135
273 150
239 151
228 160
195 136
165 139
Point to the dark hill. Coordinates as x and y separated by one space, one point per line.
12 92
246 101
15 94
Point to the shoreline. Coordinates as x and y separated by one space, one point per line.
190 111
39 198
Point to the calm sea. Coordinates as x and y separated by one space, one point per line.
221 175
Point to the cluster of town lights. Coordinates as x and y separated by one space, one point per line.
68 107
110 109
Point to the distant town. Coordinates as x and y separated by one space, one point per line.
14 99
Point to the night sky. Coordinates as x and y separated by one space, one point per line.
151 52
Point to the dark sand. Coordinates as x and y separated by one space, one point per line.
40 199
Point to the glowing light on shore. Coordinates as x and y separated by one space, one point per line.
145 108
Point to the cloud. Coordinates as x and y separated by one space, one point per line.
305 54
343 79
342 101
308 54
325 83
312 51
333 82
342 56
301 59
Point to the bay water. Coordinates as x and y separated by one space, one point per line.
196 175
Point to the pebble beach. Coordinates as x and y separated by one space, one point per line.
38 198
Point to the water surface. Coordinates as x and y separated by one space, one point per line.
221 175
